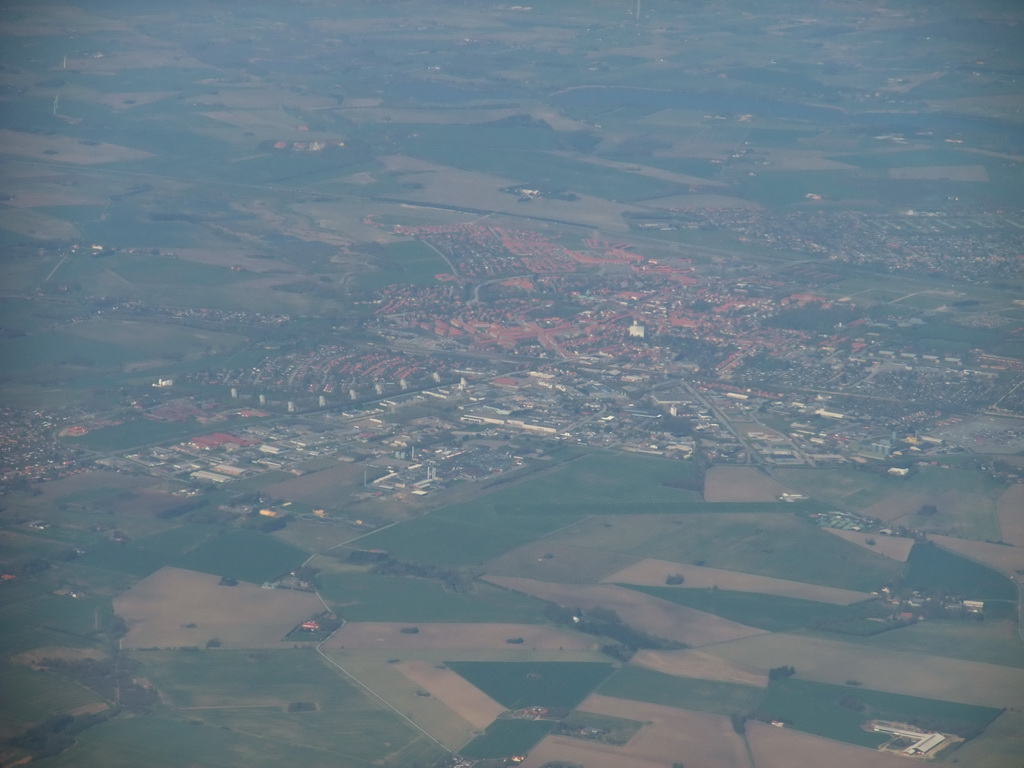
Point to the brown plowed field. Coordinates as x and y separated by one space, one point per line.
468 701
896 547
359 635
657 617
653 573
159 609
696 739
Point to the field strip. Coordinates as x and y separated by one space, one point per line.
786 748
1010 511
914 674
653 573
657 617
895 547
1006 560
359 635
465 699
698 664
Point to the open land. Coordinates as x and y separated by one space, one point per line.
699 664
468 701
740 484
1010 510
783 747
658 617
654 573
1007 560
160 609
896 547
357 635
914 674
669 735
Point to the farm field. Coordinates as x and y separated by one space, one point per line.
668 735
816 708
160 609
934 566
507 737
356 635
1010 511
770 612
653 573
965 499
32 695
992 641
895 547
697 664
740 484
1001 745
834 662
711 696
976 564
551 684
241 554
368 597
775 545
251 692
789 748
656 617
546 560
461 696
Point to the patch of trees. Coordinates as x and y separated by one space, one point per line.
675 580
851 702
604 622
367 556
928 509
739 723
452 578
56 734
410 630
780 673
302 706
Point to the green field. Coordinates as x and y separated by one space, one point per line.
34 695
506 737
771 612
250 692
243 554
552 684
781 546
412 262
965 499
814 708
641 684
935 569
367 597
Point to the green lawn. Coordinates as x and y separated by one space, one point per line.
640 684
516 684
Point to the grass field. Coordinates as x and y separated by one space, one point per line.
620 728
528 684
34 695
990 641
715 697
367 597
250 692
770 612
506 738
405 262
814 707
965 499
781 546
243 554
935 569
